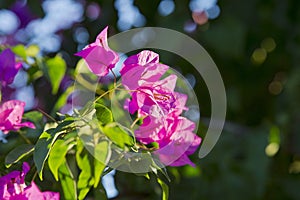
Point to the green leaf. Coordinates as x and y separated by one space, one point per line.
33 116
101 156
18 153
44 145
41 151
57 156
62 100
118 135
165 189
85 179
64 124
56 68
67 181
140 163
104 115
32 50
20 51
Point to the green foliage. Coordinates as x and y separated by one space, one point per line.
118 135
104 115
101 157
85 179
57 156
20 51
67 181
45 144
34 116
18 153
41 151
56 69
165 189
32 50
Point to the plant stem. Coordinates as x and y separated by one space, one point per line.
47 115
133 123
105 93
115 77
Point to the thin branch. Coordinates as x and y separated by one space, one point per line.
47 115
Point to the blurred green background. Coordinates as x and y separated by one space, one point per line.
256 46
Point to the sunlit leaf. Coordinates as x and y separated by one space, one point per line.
32 50
104 115
67 181
56 68
44 145
165 189
101 155
20 51
85 179
57 156
117 135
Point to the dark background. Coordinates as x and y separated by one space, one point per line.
256 46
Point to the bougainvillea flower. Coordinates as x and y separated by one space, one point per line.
141 59
13 187
159 93
98 56
8 67
174 136
179 143
32 192
142 68
153 128
141 75
11 113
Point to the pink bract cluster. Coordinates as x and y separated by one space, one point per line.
153 99
13 187
11 111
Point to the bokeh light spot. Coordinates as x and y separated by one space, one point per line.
295 167
81 35
200 17
268 44
259 56
9 22
93 11
275 87
166 7
213 12
272 149
190 26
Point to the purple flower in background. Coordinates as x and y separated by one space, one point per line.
11 113
98 56
13 187
23 12
8 67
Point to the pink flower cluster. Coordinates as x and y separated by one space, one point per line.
155 100
152 98
13 187
11 111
